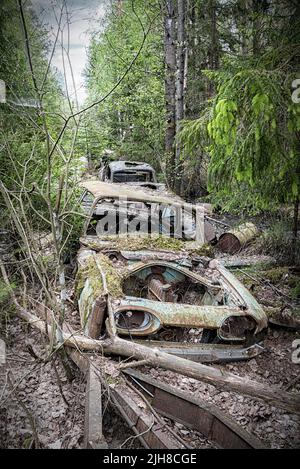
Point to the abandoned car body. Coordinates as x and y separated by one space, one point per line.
158 287
129 172
161 294
112 209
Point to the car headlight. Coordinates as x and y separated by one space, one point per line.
236 328
136 321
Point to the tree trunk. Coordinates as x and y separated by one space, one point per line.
119 7
214 48
180 65
170 66
219 378
243 24
296 216
256 26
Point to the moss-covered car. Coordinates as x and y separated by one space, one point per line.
158 286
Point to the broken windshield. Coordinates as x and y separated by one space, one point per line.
132 176
114 216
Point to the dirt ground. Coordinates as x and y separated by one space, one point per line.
59 425
40 407
273 426
33 402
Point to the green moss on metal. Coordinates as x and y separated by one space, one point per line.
137 243
206 250
90 270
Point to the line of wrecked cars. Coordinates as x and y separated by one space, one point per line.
150 252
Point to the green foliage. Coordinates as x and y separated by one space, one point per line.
5 292
253 128
22 137
130 121
254 135
277 242
248 129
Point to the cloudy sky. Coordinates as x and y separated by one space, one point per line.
85 16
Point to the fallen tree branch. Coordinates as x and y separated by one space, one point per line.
124 366
207 374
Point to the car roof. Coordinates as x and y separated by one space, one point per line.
129 165
101 189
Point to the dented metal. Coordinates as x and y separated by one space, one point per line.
172 314
195 413
127 172
218 302
158 286
153 296
206 353
122 206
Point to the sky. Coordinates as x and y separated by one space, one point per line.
85 17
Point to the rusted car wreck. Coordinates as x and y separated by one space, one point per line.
163 289
148 292
129 172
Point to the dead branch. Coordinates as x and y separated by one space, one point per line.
210 375
112 324
59 383
123 366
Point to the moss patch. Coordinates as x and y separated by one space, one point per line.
89 270
154 243
5 291
137 243
206 250
113 381
295 292
275 275
272 312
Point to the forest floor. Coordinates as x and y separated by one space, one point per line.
40 399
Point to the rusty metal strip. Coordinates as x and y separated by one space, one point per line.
139 418
195 413
150 432
93 436
242 293
205 353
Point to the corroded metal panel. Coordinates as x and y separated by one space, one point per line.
206 353
195 413
237 289
180 315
